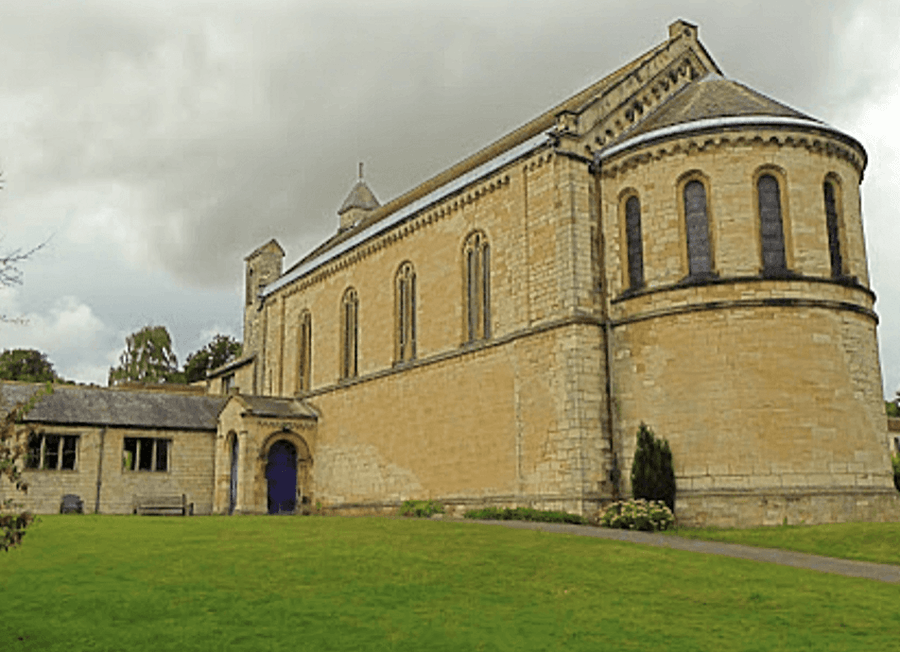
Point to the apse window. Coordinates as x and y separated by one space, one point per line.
52 452
146 454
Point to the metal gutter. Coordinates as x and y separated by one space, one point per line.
720 123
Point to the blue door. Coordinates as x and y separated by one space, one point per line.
281 476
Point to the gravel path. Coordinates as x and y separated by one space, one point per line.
865 569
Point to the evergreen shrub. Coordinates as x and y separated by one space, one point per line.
524 514
652 473
895 460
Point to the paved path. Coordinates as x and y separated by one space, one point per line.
868 570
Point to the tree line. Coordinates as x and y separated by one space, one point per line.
148 358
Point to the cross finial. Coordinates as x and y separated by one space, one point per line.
360 170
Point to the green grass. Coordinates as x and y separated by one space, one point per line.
878 542
291 583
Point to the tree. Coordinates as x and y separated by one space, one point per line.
147 358
27 365
652 473
221 350
12 525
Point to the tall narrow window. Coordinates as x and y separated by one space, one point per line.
305 353
697 223
349 333
478 287
635 245
834 233
771 226
405 309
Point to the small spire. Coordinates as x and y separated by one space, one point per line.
360 171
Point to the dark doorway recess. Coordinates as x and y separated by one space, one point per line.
233 483
281 476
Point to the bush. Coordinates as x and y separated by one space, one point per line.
652 473
647 516
421 508
895 460
524 514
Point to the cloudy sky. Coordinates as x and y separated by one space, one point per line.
156 143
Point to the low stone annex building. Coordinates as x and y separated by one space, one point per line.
667 246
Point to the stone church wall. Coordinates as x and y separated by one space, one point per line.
769 391
520 414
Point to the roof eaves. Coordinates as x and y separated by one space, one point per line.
229 366
357 237
706 124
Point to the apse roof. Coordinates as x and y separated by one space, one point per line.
709 102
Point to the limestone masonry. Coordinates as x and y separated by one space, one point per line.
666 246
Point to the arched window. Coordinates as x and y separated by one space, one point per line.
405 311
477 271
349 333
834 232
697 223
771 225
635 244
305 351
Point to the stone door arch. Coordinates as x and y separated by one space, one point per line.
286 466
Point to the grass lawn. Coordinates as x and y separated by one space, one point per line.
292 583
879 542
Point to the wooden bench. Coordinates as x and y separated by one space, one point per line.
161 505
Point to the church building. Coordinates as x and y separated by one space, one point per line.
667 246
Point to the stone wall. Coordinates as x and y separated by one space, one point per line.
190 472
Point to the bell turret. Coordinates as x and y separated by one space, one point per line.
360 202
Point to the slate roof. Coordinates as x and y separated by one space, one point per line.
361 196
74 405
279 408
713 96
529 130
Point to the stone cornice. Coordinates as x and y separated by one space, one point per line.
817 141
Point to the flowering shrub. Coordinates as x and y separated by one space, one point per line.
638 514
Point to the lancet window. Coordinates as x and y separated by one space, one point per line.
405 311
635 244
697 227
477 271
305 351
349 333
834 232
771 224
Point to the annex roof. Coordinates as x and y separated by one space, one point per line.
274 407
76 405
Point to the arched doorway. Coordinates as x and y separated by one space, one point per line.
281 477
233 480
